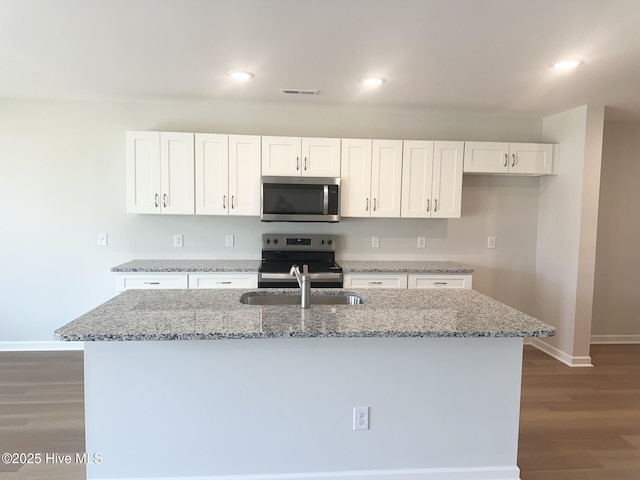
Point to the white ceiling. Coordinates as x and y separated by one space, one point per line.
484 56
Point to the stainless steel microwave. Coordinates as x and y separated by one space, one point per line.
300 199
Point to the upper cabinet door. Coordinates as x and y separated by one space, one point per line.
177 173
386 178
530 158
212 174
281 156
244 175
321 157
447 179
417 175
143 172
486 157
355 182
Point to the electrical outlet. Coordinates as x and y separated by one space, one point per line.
491 242
375 242
228 241
103 239
177 240
422 242
361 418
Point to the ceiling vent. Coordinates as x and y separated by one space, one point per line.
296 91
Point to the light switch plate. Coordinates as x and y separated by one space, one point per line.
228 241
178 240
375 242
491 242
103 239
422 242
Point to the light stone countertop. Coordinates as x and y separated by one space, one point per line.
348 266
137 315
403 266
187 266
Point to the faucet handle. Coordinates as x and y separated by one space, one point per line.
292 270
305 269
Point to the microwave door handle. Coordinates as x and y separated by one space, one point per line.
325 203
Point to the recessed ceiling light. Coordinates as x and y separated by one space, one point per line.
566 64
372 81
239 75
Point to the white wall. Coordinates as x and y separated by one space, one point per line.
616 300
62 180
567 227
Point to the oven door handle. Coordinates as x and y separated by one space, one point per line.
286 276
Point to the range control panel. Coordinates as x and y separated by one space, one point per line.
288 241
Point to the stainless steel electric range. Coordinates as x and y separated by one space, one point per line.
281 251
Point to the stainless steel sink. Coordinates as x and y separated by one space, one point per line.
256 298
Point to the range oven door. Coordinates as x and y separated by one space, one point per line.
284 280
300 199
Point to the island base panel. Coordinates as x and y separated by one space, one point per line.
440 408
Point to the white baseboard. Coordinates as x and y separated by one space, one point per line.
40 346
480 473
572 361
615 339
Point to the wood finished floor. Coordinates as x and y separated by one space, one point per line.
576 424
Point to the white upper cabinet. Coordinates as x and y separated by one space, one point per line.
227 174
355 182
432 179
244 174
512 158
295 156
371 177
386 178
160 172
448 163
212 173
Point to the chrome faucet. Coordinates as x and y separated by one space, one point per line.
304 281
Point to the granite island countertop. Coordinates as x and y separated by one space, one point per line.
251 266
137 315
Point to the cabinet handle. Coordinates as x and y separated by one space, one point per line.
506 159
305 163
233 201
428 204
152 283
513 156
375 283
297 163
224 283
157 200
224 201
435 205
366 208
164 200
440 283
374 204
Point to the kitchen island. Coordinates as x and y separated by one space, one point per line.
192 383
